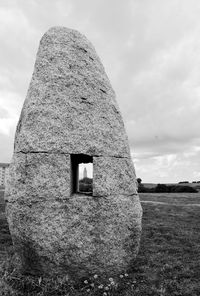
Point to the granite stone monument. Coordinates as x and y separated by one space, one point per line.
70 116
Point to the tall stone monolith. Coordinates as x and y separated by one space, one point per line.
70 116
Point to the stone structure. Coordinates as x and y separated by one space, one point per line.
71 116
4 168
84 173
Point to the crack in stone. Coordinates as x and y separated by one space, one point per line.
65 153
103 91
68 198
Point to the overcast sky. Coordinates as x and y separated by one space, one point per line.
151 52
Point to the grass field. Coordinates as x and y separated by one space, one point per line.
168 262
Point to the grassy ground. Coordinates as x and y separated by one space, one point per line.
168 262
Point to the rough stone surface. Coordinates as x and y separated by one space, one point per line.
83 234
113 176
69 99
71 110
39 177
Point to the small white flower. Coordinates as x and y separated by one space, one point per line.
92 284
113 283
111 279
104 293
85 282
121 276
88 290
95 276
126 274
100 286
106 288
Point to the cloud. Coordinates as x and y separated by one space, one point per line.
6 147
168 168
3 113
9 112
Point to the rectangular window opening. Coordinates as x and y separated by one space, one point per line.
81 174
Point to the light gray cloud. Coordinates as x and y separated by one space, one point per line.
151 52
3 113
6 147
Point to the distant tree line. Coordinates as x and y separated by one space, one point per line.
163 188
186 182
85 185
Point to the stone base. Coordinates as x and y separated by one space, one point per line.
79 236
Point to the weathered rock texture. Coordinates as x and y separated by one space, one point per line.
70 111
